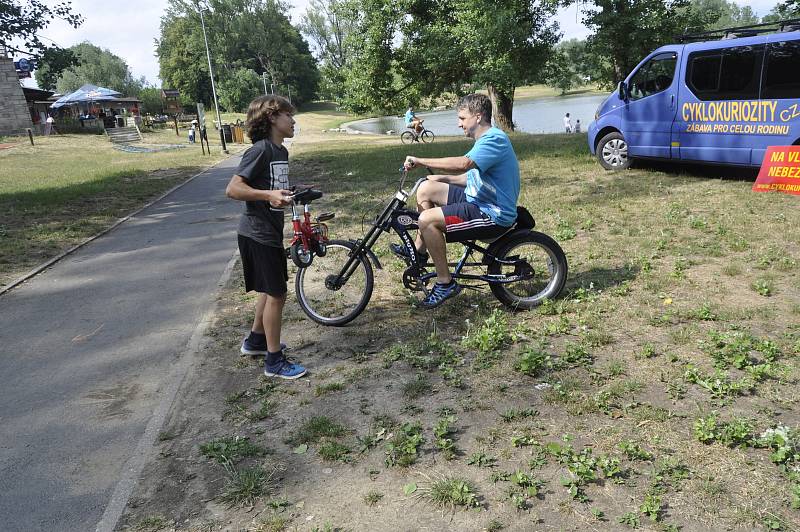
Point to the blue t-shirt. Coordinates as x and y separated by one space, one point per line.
494 185
409 116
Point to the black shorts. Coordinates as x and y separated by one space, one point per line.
265 269
465 221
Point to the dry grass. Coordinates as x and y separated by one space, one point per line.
650 254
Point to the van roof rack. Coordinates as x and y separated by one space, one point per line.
752 30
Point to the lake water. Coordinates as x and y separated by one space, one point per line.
542 115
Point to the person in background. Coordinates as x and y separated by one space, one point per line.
578 125
413 121
567 124
50 125
192 131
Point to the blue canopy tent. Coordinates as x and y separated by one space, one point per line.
87 94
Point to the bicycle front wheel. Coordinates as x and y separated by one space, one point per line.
407 137
330 303
427 136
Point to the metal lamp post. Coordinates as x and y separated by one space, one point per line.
213 86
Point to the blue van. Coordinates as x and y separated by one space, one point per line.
719 102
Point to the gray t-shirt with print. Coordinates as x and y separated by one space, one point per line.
264 166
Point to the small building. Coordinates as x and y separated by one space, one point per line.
39 102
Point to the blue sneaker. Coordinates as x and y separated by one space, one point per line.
440 294
401 251
284 369
255 348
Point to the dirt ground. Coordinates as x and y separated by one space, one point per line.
640 399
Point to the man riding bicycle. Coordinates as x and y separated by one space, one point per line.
413 121
480 201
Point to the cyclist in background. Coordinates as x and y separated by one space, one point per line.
413 121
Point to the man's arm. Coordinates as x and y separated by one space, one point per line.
448 164
238 189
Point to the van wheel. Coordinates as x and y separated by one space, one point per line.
612 152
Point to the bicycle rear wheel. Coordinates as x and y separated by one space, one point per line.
427 136
542 264
407 137
332 305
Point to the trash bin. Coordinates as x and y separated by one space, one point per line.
120 121
226 131
238 134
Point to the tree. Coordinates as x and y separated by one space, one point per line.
238 89
719 14
151 100
783 11
327 29
95 65
242 34
22 20
625 31
50 66
571 65
182 58
404 50
559 72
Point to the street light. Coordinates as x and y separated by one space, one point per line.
213 87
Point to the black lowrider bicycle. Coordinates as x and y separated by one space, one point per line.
522 267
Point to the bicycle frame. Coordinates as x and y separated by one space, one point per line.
401 220
303 229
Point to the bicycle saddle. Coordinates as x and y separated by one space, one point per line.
307 196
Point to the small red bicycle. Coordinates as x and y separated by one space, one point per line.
310 238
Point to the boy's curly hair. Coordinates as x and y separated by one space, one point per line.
260 111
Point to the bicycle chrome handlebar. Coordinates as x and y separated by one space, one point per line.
419 182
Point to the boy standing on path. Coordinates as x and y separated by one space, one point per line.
262 182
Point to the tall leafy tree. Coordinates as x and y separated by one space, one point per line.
784 10
151 100
50 66
182 59
718 14
243 34
625 31
327 29
95 65
571 65
238 89
411 48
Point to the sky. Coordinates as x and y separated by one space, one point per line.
129 29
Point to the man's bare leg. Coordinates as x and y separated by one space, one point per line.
431 228
431 194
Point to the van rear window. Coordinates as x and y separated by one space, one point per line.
782 75
728 74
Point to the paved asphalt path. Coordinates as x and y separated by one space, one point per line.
86 348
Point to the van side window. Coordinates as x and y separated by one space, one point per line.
654 76
782 74
727 74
